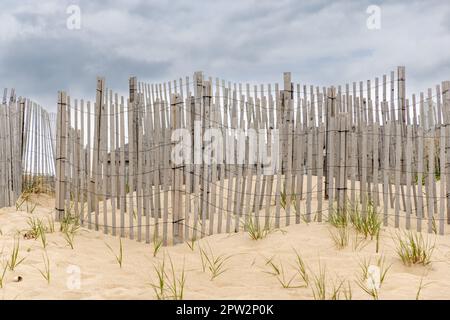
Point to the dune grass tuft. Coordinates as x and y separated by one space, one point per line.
37 230
169 287
301 268
421 287
359 242
69 222
368 280
347 291
119 255
43 236
384 268
51 224
338 218
337 289
284 199
214 264
46 272
413 248
368 224
69 236
255 230
25 197
157 245
340 237
191 243
319 283
277 270
14 259
3 273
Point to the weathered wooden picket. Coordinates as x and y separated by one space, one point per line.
10 149
251 155
27 144
39 149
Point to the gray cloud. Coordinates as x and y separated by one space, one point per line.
321 42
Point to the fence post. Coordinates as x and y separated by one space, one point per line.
342 143
287 141
133 96
206 170
8 153
446 108
22 132
401 96
331 118
402 119
60 155
175 100
94 181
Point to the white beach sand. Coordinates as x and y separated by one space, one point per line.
246 275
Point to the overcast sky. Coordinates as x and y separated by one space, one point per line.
321 42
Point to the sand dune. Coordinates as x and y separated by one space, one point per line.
246 275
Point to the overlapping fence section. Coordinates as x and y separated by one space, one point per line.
39 149
27 144
11 128
199 156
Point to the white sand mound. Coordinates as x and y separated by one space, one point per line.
246 275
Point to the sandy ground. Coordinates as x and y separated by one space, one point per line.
246 275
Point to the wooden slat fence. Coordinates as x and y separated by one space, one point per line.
27 148
198 156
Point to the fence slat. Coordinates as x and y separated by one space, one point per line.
408 176
61 155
